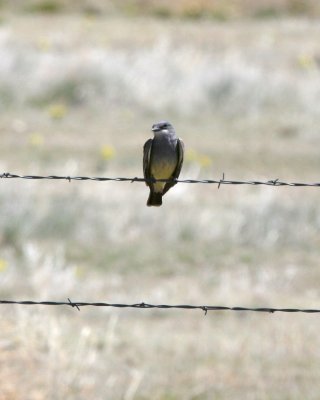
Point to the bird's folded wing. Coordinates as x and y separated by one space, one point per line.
146 160
176 173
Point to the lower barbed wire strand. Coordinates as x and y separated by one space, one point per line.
142 305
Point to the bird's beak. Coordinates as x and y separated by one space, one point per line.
155 129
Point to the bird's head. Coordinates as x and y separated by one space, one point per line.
162 127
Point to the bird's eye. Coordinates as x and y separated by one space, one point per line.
164 126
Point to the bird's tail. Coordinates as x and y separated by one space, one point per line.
155 199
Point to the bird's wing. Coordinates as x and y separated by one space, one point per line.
175 175
146 160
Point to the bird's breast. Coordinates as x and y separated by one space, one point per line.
164 159
162 169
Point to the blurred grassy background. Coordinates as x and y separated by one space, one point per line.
80 86
190 9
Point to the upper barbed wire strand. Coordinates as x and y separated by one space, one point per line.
219 182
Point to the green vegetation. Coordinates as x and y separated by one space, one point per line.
44 7
270 12
189 9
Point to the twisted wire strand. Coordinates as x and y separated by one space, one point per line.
144 306
219 182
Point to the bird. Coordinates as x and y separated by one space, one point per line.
162 159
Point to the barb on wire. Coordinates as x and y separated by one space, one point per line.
79 304
218 182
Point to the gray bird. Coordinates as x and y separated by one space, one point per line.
162 159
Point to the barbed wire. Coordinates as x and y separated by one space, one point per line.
219 182
145 306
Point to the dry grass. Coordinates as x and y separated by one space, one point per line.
245 99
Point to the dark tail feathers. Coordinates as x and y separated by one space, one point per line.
155 199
